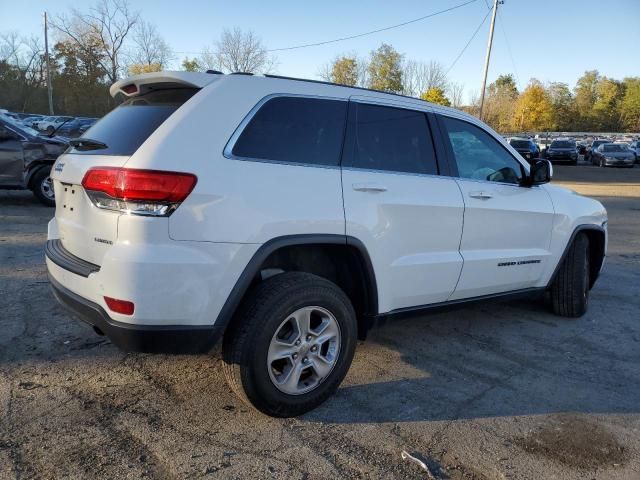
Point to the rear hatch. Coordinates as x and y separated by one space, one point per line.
85 230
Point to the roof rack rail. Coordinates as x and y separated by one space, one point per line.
268 75
241 73
215 72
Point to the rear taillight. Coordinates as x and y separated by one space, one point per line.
138 192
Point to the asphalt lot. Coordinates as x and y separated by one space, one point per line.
486 392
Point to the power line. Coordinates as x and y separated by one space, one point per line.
504 33
468 43
371 32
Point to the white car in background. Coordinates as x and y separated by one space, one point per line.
289 216
49 124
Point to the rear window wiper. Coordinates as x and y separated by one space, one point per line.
87 144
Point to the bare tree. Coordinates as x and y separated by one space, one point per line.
110 21
238 51
26 57
149 47
420 77
456 91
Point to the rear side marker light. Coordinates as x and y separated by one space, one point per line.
123 307
137 192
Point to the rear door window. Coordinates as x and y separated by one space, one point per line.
389 138
295 130
127 127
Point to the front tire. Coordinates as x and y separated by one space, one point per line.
570 288
291 344
42 186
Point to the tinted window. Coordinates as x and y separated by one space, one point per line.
125 128
614 148
562 144
519 144
479 156
295 129
386 138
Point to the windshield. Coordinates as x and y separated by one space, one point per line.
562 144
519 143
127 127
614 148
597 143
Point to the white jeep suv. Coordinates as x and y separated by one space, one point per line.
288 216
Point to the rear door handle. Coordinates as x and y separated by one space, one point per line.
480 195
369 187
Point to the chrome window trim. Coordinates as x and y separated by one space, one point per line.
228 149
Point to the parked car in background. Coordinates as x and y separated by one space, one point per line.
595 144
581 147
74 128
49 124
562 150
613 155
634 146
525 147
26 158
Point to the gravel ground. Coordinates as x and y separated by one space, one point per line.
491 391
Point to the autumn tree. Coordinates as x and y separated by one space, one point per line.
436 95
345 71
385 69
533 110
609 94
585 96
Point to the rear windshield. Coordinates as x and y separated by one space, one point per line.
614 148
519 143
599 142
126 127
562 144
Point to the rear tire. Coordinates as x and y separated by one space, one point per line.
42 186
570 288
271 308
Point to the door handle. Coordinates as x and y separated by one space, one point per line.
481 195
369 187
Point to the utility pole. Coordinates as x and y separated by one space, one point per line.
46 57
486 60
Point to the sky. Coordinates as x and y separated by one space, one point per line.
548 40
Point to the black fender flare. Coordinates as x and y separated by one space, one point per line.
574 234
252 268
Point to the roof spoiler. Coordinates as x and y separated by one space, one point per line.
145 82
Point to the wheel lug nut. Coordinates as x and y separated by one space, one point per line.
305 360
314 348
295 355
308 338
297 342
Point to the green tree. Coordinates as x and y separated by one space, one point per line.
563 106
606 113
345 71
630 104
585 98
385 69
500 103
191 65
534 110
436 95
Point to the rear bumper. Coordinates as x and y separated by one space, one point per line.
138 338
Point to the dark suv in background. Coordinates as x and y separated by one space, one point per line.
525 147
563 149
26 158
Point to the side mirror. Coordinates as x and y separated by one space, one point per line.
541 172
